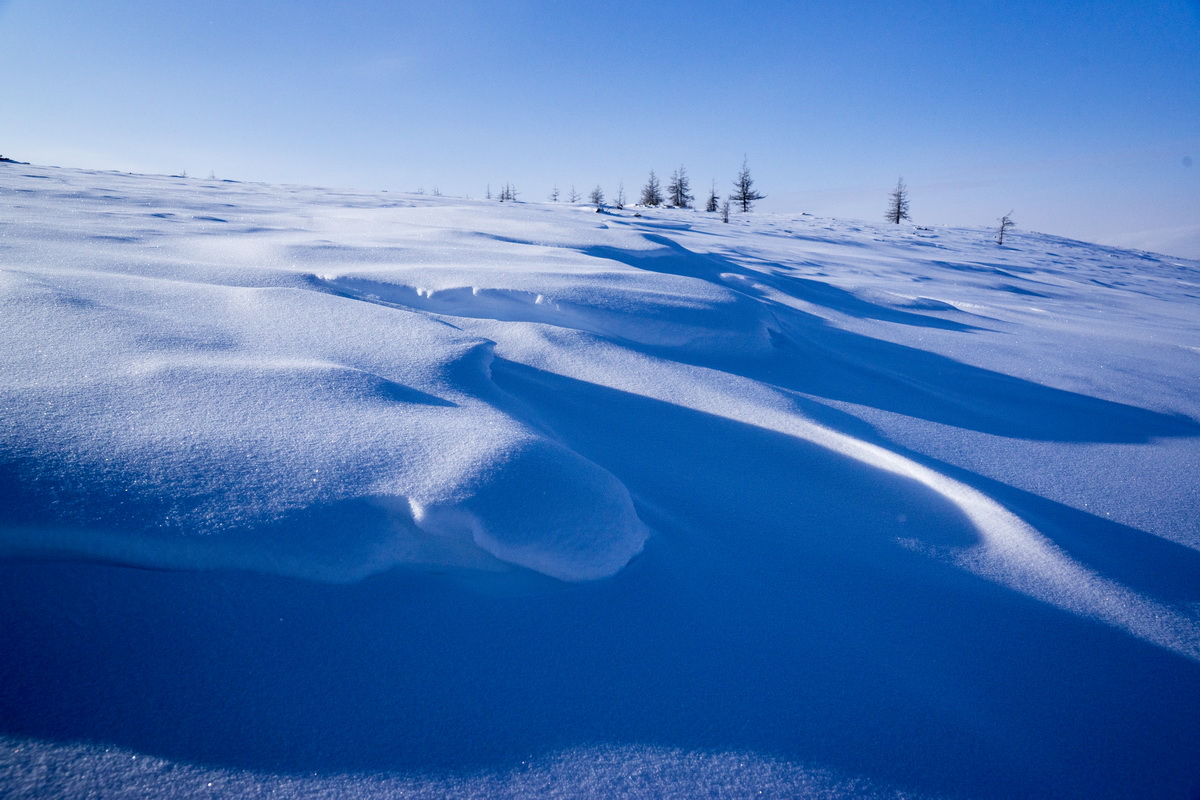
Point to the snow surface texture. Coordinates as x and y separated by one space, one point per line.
586 504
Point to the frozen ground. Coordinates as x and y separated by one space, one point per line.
339 494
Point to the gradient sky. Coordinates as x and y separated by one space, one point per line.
1083 118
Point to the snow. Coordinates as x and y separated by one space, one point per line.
475 499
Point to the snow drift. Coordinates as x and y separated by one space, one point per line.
824 507
187 423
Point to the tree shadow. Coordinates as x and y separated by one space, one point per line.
816 358
774 612
823 361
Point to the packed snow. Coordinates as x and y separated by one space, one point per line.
346 493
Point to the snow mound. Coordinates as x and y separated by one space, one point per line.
169 423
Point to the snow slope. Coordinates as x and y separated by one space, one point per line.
521 499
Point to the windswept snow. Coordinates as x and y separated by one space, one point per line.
185 422
793 505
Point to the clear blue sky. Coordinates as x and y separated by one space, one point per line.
1081 117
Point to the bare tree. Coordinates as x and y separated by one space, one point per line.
597 196
652 191
1006 222
678 189
898 203
744 193
713 199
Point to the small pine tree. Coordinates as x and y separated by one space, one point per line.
652 191
597 196
725 211
678 189
488 195
744 193
554 194
713 199
1006 222
898 203
620 195
573 196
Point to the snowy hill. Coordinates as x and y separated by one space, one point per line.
437 496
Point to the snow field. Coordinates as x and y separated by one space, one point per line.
657 505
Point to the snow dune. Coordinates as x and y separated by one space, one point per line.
791 505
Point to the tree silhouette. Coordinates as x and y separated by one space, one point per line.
744 193
652 191
678 189
1006 222
898 203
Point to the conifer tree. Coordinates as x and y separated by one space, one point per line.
678 190
652 191
597 196
713 199
744 193
1006 222
898 203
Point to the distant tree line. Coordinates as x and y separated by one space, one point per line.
676 194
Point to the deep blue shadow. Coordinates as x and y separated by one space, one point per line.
820 640
819 359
